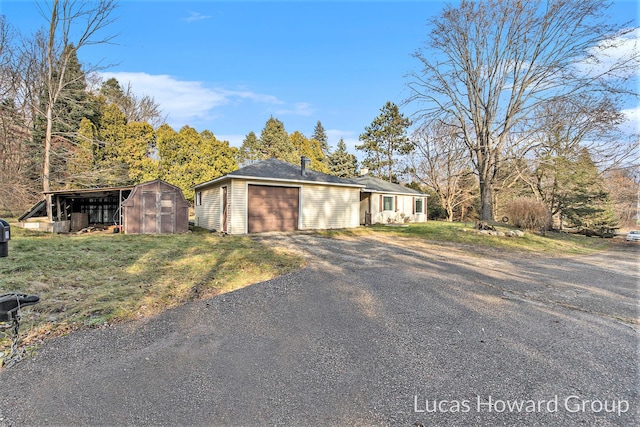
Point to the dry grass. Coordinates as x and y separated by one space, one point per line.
89 280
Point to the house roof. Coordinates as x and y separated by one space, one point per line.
278 170
376 185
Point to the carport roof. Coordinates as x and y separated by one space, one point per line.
278 170
89 192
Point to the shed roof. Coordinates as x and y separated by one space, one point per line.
376 185
157 184
278 170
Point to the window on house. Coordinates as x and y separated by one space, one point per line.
387 203
198 198
419 208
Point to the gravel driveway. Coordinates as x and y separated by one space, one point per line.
371 332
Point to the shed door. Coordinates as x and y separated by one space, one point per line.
272 208
167 212
149 210
158 212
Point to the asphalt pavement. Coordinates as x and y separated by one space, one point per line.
372 332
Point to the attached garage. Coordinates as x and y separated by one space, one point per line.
272 208
273 195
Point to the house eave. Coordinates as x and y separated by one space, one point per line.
368 190
280 180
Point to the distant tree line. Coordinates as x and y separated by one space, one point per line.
512 112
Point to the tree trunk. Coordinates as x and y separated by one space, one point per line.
486 201
46 180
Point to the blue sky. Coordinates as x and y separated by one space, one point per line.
228 66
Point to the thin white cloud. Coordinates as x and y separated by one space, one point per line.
256 97
299 109
633 120
195 16
184 101
609 52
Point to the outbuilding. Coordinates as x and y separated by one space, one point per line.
155 207
148 208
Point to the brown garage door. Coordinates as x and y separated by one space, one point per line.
272 208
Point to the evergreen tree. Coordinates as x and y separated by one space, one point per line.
321 136
250 150
136 153
580 197
310 148
383 140
112 91
342 163
273 143
72 104
112 169
274 140
188 158
135 109
217 157
81 166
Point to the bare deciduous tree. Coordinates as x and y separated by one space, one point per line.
72 26
441 162
15 189
490 63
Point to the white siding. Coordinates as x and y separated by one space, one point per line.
326 207
404 206
209 214
237 209
321 206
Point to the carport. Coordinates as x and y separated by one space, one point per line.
75 209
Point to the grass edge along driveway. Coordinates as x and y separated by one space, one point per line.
91 280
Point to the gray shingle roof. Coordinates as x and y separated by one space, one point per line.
279 170
380 186
283 171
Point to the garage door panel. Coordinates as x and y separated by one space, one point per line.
272 208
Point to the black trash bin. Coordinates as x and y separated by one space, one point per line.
5 236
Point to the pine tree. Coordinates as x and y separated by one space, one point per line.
581 195
383 140
81 166
218 157
310 148
321 136
342 163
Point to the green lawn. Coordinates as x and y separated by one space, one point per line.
552 243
